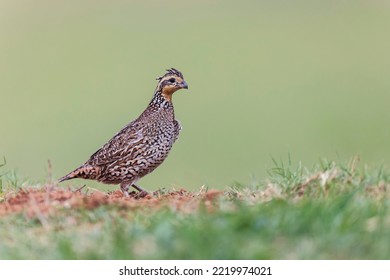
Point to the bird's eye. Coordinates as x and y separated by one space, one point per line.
172 80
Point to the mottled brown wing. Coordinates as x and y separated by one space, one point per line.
118 147
177 128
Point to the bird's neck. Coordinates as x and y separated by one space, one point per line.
160 102
158 105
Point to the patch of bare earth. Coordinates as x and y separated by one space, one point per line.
35 202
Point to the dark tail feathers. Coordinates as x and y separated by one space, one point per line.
84 172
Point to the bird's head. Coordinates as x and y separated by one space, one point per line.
172 81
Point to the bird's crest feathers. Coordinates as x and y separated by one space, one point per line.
171 71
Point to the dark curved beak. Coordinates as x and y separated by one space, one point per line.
183 85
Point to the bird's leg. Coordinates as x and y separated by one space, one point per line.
138 188
125 189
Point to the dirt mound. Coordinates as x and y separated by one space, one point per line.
35 202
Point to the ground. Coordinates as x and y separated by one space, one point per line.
333 211
42 202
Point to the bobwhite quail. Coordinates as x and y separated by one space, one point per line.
140 146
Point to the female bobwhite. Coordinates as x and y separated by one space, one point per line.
140 146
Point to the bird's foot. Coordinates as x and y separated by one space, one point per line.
126 193
125 190
141 194
138 188
141 191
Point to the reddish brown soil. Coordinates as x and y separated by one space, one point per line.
35 202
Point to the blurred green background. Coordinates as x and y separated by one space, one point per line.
266 78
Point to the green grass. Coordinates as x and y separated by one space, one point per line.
331 211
